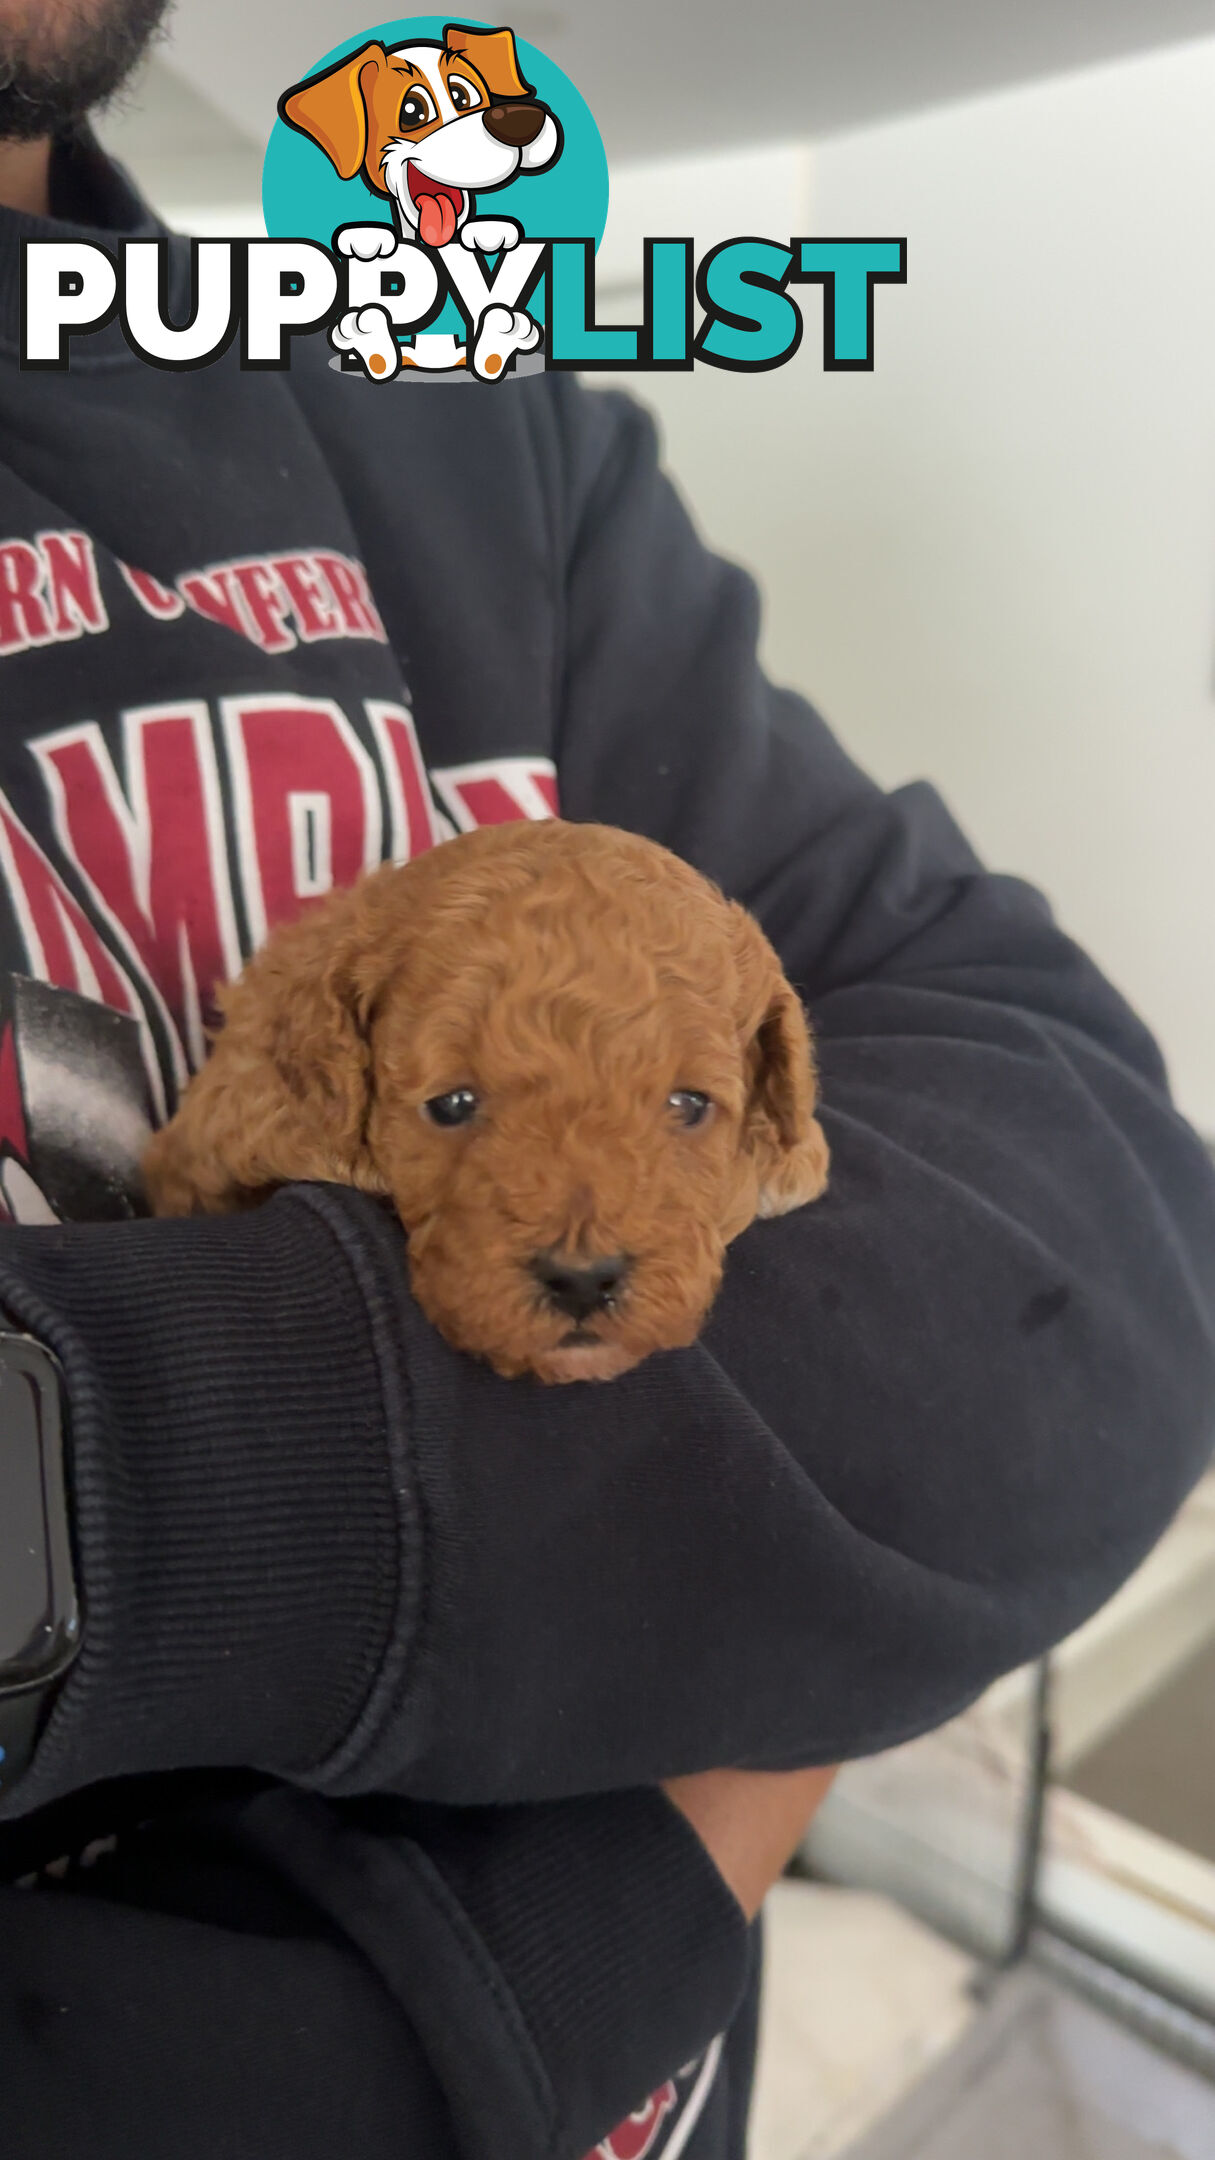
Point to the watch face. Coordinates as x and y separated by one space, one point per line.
39 1619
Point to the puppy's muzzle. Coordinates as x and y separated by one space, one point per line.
579 1289
515 125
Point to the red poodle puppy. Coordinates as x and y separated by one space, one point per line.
573 1066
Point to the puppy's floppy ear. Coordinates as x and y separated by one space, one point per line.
332 108
285 1093
780 1130
493 54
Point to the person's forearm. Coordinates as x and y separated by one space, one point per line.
558 1960
376 1977
288 1483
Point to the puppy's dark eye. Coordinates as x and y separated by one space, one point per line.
462 94
690 1107
416 110
454 1108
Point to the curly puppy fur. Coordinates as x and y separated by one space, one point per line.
574 977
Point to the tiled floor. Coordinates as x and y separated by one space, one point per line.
859 2000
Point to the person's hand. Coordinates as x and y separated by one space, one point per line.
751 1822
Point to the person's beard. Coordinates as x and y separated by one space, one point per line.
52 76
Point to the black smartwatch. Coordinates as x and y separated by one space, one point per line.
40 1617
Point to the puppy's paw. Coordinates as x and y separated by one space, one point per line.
366 242
491 234
501 334
367 333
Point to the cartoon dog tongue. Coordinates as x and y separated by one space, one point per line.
438 208
436 219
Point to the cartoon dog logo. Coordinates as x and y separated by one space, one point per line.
430 126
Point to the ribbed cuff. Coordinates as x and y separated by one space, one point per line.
238 1487
559 1962
615 1934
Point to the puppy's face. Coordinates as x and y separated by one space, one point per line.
560 1091
579 1074
429 125
431 134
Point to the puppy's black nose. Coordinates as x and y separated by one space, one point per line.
579 1290
514 125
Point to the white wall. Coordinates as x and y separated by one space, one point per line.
992 561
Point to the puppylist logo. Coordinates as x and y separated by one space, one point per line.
434 195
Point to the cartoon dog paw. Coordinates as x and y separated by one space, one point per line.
367 333
501 334
366 242
491 234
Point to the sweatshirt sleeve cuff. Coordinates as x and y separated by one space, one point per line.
240 1489
559 1962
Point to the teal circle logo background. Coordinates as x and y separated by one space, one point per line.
304 199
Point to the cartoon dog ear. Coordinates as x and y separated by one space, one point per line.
332 108
493 54
285 1093
780 1131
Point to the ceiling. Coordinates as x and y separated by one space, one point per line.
661 81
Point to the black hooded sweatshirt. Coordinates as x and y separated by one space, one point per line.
343 1835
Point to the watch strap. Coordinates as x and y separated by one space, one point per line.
27 1702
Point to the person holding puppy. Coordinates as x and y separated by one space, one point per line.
400 1753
